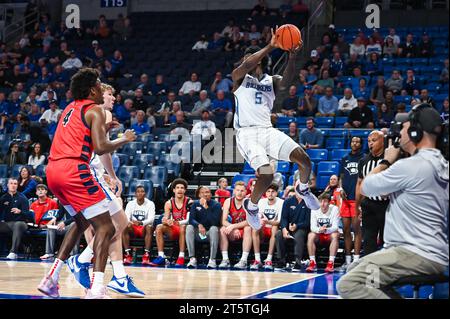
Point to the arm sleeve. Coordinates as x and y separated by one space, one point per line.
150 214
313 222
185 221
393 179
360 167
334 221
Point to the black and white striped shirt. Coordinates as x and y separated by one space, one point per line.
366 165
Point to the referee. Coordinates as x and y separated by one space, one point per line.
373 208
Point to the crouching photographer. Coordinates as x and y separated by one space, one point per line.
415 233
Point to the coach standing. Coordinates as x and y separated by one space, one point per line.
416 232
373 207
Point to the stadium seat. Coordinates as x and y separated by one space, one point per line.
15 170
144 138
328 168
143 160
283 167
361 133
284 121
338 154
317 154
322 181
148 186
128 173
131 149
172 164
339 121
156 148
248 169
123 158
3 171
241 177
156 174
324 121
40 170
291 180
335 143
301 121
295 168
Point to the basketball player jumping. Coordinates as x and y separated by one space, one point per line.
80 131
256 138
79 264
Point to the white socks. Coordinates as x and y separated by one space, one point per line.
332 258
97 282
312 258
86 255
245 255
118 269
348 259
355 258
251 205
161 254
269 258
258 257
225 255
303 186
181 254
55 269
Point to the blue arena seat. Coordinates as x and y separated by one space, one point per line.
148 186
143 160
326 121
123 158
339 121
15 170
156 174
171 162
328 167
40 170
338 154
3 170
335 143
241 177
322 181
283 167
127 173
295 168
248 169
317 154
133 148
284 121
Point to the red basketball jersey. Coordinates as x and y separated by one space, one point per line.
237 215
72 139
179 213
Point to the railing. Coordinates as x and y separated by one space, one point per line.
17 26
306 35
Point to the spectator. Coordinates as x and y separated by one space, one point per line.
36 157
204 103
42 205
60 78
123 112
217 43
51 115
426 98
223 84
313 61
228 29
401 108
308 103
390 48
118 23
270 209
373 47
204 224
236 229
66 101
205 127
361 116
254 34
362 90
385 116
352 63
260 9
141 216
410 83
141 126
222 108
336 65
59 225
127 31
117 61
192 85
72 62
378 93
170 115
180 124
358 48
324 231
159 88
334 190
35 113
409 48
347 103
443 78
311 78
293 132
325 81
37 134
201 44
395 38
357 76
444 113
294 224
310 137
14 156
328 104
426 48
13 216
139 102
289 106
343 46
374 66
395 82
27 184
102 29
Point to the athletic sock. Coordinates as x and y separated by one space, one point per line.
303 186
258 257
332 258
312 258
118 269
86 256
269 258
355 257
252 205
225 255
245 256
348 259
97 282
55 269
181 254
161 254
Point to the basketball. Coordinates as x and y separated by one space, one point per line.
288 36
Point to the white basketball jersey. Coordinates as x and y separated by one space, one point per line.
254 102
97 168
272 212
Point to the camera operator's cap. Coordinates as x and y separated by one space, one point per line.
42 186
314 53
53 101
429 118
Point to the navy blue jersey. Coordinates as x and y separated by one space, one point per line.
349 168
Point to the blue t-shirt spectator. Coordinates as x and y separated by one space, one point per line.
224 104
224 85
63 103
14 107
141 128
328 105
311 137
122 113
349 173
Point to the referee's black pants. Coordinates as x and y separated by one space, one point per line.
373 214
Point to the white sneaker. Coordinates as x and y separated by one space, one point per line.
257 265
101 294
224 264
47 256
211 264
310 199
192 263
12 256
252 215
242 264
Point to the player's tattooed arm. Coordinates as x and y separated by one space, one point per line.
225 212
282 83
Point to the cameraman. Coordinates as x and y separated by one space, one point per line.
415 234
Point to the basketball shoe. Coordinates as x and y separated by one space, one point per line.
49 287
242 264
158 262
225 264
128 259
330 266
80 271
312 266
310 199
268 265
256 265
211 264
125 286
252 215
101 295
146 259
180 262
192 263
